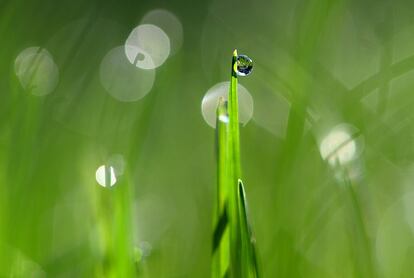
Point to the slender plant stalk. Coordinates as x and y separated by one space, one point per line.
221 236
248 240
233 243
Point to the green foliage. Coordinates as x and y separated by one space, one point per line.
318 63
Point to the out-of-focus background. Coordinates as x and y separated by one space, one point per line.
107 156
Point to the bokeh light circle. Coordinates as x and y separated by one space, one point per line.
105 176
122 80
211 98
341 145
169 23
149 42
36 71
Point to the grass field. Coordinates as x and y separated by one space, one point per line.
108 165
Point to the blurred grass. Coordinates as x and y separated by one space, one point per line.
326 58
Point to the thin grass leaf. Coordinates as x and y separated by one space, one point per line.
233 252
248 251
234 120
233 172
221 236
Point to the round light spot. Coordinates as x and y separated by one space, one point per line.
339 146
168 22
105 176
122 80
211 98
138 57
147 46
36 71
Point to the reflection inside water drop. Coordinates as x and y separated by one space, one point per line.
244 65
105 176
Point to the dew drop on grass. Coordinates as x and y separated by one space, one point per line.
105 176
224 118
244 65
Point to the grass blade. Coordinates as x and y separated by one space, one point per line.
221 236
248 251
233 249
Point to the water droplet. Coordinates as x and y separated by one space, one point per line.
105 176
244 65
211 99
224 118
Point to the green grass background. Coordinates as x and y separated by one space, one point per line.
339 61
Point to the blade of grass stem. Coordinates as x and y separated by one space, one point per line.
221 236
248 251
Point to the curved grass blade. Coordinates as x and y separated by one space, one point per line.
248 251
